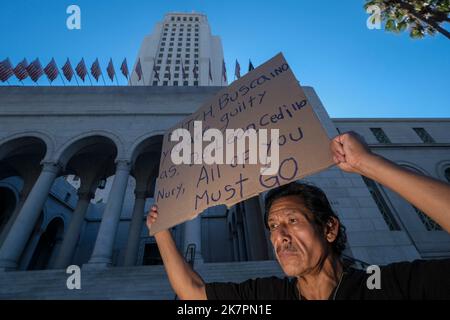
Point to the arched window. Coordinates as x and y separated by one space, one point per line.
447 174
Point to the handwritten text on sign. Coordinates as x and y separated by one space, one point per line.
269 97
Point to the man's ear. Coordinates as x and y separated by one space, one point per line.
332 229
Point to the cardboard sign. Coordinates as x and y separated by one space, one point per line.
269 97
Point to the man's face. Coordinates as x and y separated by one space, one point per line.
299 246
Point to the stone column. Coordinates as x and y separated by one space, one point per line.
254 229
70 239
21 229
193 235
135 228
102 253
30 172
22 197
241 242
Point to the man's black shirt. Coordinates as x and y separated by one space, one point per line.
420 279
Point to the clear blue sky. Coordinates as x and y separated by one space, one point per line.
357 72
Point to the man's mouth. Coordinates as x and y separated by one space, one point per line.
286 251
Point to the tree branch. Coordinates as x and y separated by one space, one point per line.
408 7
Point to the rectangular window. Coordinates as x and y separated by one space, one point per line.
424 135
380 135
187 55
196 83
155 83
176 75
170 49
185 83
190 18
165 83
169 55
178 55
167 68
177 68
171 39
159 61
168 61
178 18
175 83
381 204
160 55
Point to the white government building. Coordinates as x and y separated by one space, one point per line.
77 173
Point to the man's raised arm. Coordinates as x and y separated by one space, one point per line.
186 283
427 194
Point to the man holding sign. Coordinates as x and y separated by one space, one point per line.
306 235
308 239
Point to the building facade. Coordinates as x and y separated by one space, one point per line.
95 133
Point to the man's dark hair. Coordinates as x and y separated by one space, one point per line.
316 202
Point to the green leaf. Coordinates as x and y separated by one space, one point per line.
416 33
401 26
390 25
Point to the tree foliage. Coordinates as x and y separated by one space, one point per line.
419 17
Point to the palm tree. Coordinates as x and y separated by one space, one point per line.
420 17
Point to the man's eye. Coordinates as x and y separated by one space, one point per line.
292 220
272 226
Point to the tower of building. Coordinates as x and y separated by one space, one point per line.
180 41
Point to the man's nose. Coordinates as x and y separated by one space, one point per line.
284 234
